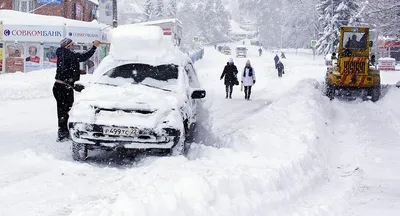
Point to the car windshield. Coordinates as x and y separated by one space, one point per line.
241 48
162 77
355 40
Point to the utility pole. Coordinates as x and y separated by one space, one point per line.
333 26
115 15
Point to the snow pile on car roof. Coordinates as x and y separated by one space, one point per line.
142 43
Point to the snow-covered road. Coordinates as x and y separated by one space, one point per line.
288 151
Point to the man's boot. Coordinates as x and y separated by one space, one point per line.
63 135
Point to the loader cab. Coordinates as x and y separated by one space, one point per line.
354 42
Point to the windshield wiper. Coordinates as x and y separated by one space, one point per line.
155 87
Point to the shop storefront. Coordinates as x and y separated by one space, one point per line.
27 48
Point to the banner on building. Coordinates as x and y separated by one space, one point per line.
14 58
32 33
84 35
48 2
33 60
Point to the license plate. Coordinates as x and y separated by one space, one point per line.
121 131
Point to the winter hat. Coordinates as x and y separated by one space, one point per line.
230 60
248 61
64 42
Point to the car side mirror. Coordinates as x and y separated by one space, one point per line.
79 87
371 43
198 94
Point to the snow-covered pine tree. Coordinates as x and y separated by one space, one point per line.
148 11
170 9
159 10
333 15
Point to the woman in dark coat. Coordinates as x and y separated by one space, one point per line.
230 73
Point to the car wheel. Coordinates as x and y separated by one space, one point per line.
375 94
79 151
181 147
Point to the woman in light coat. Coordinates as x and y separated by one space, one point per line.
248 79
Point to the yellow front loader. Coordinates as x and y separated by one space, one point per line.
350 73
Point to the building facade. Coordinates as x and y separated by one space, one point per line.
84 10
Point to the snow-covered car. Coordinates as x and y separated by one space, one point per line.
226 50
241 51
137 103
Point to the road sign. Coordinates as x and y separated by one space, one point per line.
313 43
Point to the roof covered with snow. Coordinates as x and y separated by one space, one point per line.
10 17
143 43
173 20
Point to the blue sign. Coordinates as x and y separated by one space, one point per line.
48 2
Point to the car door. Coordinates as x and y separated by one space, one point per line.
193 83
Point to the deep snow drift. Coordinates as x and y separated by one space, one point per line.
288 151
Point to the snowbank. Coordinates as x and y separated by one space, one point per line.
17 86
32 85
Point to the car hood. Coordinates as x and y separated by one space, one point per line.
130 105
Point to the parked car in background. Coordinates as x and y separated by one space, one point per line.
226 50
241 51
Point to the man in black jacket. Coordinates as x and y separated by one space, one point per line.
67 74
230 73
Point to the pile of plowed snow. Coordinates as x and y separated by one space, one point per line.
32 85
17 86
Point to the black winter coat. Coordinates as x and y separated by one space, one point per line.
276 59
280 67
230 73
68 64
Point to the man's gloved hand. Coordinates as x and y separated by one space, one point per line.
254 82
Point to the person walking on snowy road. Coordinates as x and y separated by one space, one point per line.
276 59
230 73
66 75
248 79
280 68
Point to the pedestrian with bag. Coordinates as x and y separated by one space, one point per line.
230 73
281 68
68 72
248 79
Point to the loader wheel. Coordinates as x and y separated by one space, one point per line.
330 91
375 94
79 151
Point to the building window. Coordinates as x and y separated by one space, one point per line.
23 5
